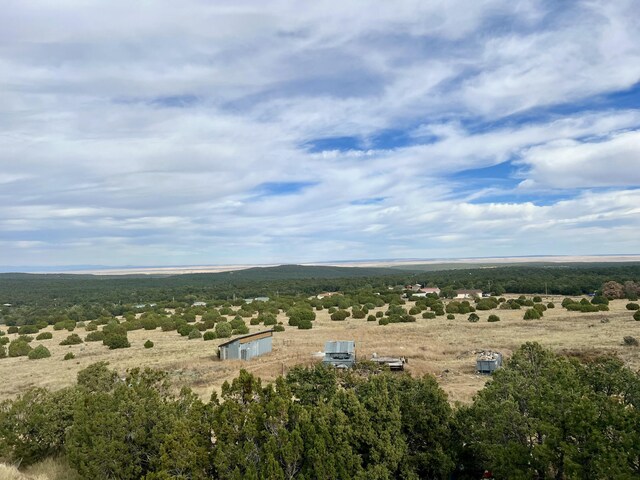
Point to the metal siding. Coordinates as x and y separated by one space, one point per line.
340 346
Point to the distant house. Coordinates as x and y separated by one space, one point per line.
414 288
468 293
247 346
322 295
256 299
340 353
430 290
199 304
6 305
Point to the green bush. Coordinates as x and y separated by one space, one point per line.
339 315
305 325
493 318
428 315
91 327
95 336
3 351
379 314
194 334
149 323
116 340
210 335
360 313
371 318
450 316
148 344
551 305
632 306
278 328
39 352
223 330
531 314
537 299
73 339
4 340
69 356
540 308
473 318
12 329
600 300
631 341
636 316
25 338
241 330
19 348
44 336
2 333
28 330
414 310
254 321
384 321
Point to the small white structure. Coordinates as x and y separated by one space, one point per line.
468 293
199 304
430 290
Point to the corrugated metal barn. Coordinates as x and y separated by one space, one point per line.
247 346
341 353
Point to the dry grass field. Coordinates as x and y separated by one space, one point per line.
444 348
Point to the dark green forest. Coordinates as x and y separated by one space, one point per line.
542 416
67 290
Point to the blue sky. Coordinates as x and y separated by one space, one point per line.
264 132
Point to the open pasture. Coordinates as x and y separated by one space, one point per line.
444 348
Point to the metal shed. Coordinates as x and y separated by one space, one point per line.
247 346
340 353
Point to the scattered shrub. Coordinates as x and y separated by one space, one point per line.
636 316
531 314
91 327
428 315
69 356
631 341
339 315
210 335
540 308
195 333
551 305
19 348
379 314
473 318
73 339
39 352
305 325
223 330
278 328
148 344
383 321
371 318
450 316
28 330
4 340
44 336
3 351
116 340
537 299
493 318
26 338
12 329
632 306
95 336
600 300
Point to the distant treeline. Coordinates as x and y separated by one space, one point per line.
542 416
67 290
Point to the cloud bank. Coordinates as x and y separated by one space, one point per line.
238 132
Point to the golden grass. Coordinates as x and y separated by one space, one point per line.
47 469
444 348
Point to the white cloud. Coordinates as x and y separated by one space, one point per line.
132 134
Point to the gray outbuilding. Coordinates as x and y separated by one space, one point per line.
247 346
340 353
